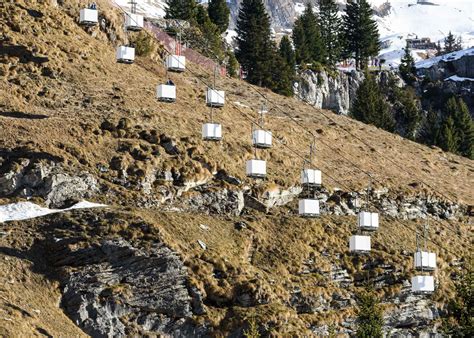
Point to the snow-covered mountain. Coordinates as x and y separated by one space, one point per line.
407 20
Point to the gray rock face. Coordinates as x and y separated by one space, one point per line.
46 180
329 92
116 286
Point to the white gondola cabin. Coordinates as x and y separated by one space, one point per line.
211 132
308 208
166 93
359 244
133 22
256 168
262 138
368 220
422 284
311 177
425 261
215 98
89 17
176 63
125 54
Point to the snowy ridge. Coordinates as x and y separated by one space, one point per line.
447 57
27 210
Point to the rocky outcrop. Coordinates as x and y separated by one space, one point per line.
329 91
116 289
30 178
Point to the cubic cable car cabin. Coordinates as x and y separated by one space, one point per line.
368 221
89 16
176 63
423 261
310 179
211 132
166 92
261 138
133 21
256 168
359 244
125 54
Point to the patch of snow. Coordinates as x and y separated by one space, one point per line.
26 210
299 8
230 34
459 78
447 57
149 8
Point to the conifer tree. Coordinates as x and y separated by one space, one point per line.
407 111
330 26
255 49
449 43
447 136
282 76
361 35
439 50
463 126
407 67
208 34
309 46
181 9
459 321
430 132
370 105
286 51
369 316
219 13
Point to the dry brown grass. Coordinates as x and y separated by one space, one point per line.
265 259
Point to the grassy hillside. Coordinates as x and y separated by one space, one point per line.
59 84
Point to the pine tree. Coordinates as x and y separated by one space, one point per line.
439 50
286 51
330 26
232 64
369 316
370 105
407 67
431 126
309 46
447 139
459 321
407 111
219 14
449 43
361 35
282 76
181 9
254 46
458 44
208 35
463 126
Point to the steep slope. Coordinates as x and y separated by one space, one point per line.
76 124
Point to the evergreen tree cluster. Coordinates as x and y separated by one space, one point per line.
459 321
452 129
325 38
319 39
207 25
451 44
370 105
256 51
